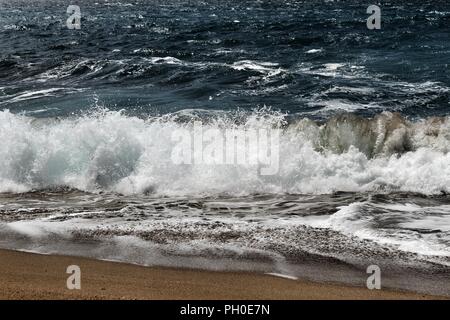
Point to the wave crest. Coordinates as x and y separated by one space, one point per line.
109 151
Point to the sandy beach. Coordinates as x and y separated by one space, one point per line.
34 276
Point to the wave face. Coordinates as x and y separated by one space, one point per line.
109 151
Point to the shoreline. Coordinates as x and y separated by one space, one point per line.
36 276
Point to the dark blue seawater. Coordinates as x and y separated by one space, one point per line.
313 58
87 120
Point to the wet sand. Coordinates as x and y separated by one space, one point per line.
34 276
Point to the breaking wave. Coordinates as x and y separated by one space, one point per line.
113 152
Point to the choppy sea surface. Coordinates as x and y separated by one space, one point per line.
87 119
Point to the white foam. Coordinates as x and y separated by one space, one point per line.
111 151
284 276
268 68
352 220
314 51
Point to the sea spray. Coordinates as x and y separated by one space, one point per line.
110 151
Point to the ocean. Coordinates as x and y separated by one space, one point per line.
362 117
